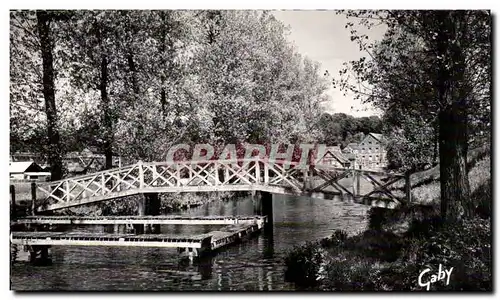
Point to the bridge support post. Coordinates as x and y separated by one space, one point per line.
152 208
13 208
408 186
358 185
149 205
267 207
257 202
33 198
141 203
119 228
189 253
39 254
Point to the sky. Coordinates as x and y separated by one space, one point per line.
322 36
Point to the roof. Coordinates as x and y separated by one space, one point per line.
23 166
350 156
38 173
333 149
337 155
378 136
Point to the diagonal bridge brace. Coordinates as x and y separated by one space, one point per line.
379 187
333 181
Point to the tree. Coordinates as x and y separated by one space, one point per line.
434 64
253 86
33 78
46 46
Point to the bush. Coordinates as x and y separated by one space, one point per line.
482 197
305 265
346 274
336 240
464 245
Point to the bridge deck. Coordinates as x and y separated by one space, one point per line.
163 220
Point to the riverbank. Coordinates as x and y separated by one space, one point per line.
399 244
170 203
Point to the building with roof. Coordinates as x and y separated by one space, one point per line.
350 148
27 170
334 157
371 153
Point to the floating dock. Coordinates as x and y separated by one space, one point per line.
37 243
130 220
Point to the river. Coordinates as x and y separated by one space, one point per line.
254 265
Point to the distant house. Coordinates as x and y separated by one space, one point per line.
371 152
334 157
28 170
351 148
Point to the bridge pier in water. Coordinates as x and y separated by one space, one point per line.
149 205
257 203
34 254
266 199
263 204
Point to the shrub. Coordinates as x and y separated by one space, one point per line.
336 240
482 198
304 264
347 274
464 245
380 245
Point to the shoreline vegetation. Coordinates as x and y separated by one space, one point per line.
170 203
397 245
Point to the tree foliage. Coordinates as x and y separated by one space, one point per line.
431 70
341 129
134 83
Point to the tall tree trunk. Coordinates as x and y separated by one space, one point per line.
455 191
163 48
107 116
135 89
54 143
453 119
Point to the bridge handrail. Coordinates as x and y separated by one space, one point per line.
205 175
227 161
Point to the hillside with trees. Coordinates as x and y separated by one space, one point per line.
341 129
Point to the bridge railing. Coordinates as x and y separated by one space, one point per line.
210 175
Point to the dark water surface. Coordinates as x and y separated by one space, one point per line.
254 265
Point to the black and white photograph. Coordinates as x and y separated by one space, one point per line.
250 150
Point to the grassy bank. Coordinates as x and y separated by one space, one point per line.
399 244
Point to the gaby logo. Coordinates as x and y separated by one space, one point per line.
425 281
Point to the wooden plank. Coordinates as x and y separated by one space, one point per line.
170 220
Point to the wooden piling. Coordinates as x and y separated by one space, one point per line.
408 186
33 198
13 208
358 179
